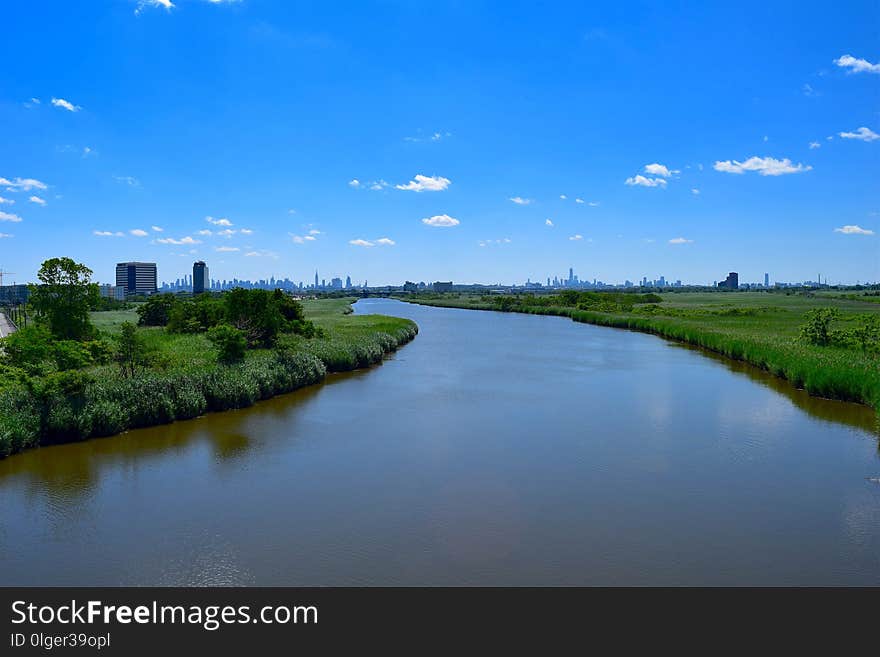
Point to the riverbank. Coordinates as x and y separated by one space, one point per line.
760 329
188 381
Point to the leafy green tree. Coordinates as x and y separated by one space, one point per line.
817 330
28 348
256 313
63 298
131 352
231 343
156 311
196 316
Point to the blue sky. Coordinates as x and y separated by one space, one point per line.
701 139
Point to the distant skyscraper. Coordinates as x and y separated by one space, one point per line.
766 280
136 277
316 278
348 282
731 282
201 282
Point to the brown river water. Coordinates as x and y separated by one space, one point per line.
494 449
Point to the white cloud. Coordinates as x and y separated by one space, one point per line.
548 222
205 232
142 4
563 196
261 254
65 104
385 241
87 151
171 240
659 170
426 184
22 184
505 240
814 145
579 201
354 182
314 231
519 200
576 238
640 181
158 229
7 216
360 242
695 191
137 232
107 233
765 166
227 249
37 200
862 134
809 91
131 181
218 222
857 65
6 200
302 239
765 139
226 232
853 230
441 221
4 235
246 231
680 240
593 204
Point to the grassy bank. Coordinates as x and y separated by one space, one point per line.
761 329
187 380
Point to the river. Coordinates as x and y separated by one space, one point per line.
494 449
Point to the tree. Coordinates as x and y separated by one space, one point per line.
63 298
256 313
157 309
817 330
230 342
131 353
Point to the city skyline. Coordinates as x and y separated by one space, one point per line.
639 145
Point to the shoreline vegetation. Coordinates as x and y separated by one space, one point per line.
825 344
113 376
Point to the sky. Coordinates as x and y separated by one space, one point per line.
469 141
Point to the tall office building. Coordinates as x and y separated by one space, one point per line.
731 282
766 280
201 282
316 279
136 277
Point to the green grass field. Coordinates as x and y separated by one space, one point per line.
760 328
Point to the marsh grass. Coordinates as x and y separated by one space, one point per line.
187 381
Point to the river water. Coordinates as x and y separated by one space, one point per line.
494 449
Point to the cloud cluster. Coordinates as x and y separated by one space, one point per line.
65 104
680 240
382 241
426 184
519 200
503 240
853 230
765 166
8 216
857 65
218 222
441 221
311 236
641 181
862 134
37 200
22 184
108 233
184 240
